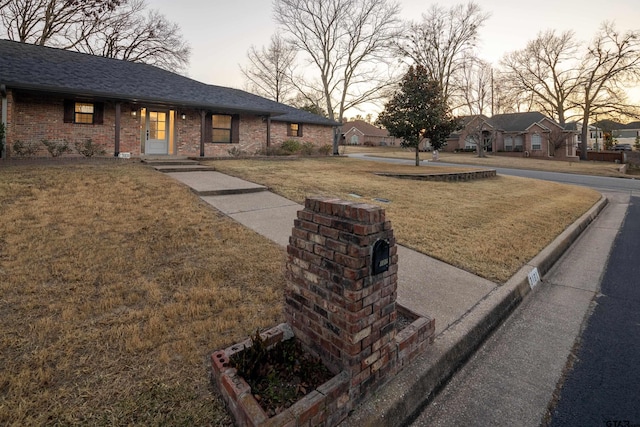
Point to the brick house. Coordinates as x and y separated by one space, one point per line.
140 109
359 132
529 134
471 128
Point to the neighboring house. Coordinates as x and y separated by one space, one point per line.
524 134
626 133
472 129
595 136
359 132
134 108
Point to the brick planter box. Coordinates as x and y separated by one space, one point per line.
326 405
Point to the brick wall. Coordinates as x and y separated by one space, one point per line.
316 134
32 118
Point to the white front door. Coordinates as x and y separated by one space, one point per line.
157 132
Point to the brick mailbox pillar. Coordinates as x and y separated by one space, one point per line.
340 298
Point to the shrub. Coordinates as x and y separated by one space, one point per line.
307 148
236 152
290 146
88 148
56 148
325 149
25 149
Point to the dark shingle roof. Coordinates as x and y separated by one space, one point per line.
46 69
295 115
516 122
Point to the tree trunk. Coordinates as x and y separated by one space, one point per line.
585 135
418 154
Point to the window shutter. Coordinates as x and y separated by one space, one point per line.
69 110
235 128
208 127
98 113
299 129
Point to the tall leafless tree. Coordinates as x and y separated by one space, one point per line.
508 97
546 70
476 80
441 41
121 29
270 69
612 61
565 80
344 42
51 22
133 33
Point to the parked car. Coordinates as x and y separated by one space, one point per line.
622 147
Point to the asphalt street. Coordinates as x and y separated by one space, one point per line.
603 387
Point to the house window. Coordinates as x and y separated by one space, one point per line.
294 129
83 112
517 144
508 144
536 142
470 143
221 126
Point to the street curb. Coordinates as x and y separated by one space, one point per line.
406 394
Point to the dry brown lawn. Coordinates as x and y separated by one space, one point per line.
489 227
116 284
497 161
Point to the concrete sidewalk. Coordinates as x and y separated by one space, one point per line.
466 307
425 285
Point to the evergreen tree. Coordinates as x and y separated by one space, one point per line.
417 110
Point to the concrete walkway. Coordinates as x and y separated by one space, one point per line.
425 285
466 308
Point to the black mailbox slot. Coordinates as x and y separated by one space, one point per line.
380 257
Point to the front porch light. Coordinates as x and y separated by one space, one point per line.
183 116
134 113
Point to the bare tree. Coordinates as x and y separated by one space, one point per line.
558 139
476 86
50 22
133 34
345 41
119 29
441 42
269 71
546 70
612 61
508 97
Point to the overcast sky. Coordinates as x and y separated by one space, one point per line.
221 32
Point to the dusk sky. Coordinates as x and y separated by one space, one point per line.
220 33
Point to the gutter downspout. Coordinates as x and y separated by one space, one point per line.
3 143
203 114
